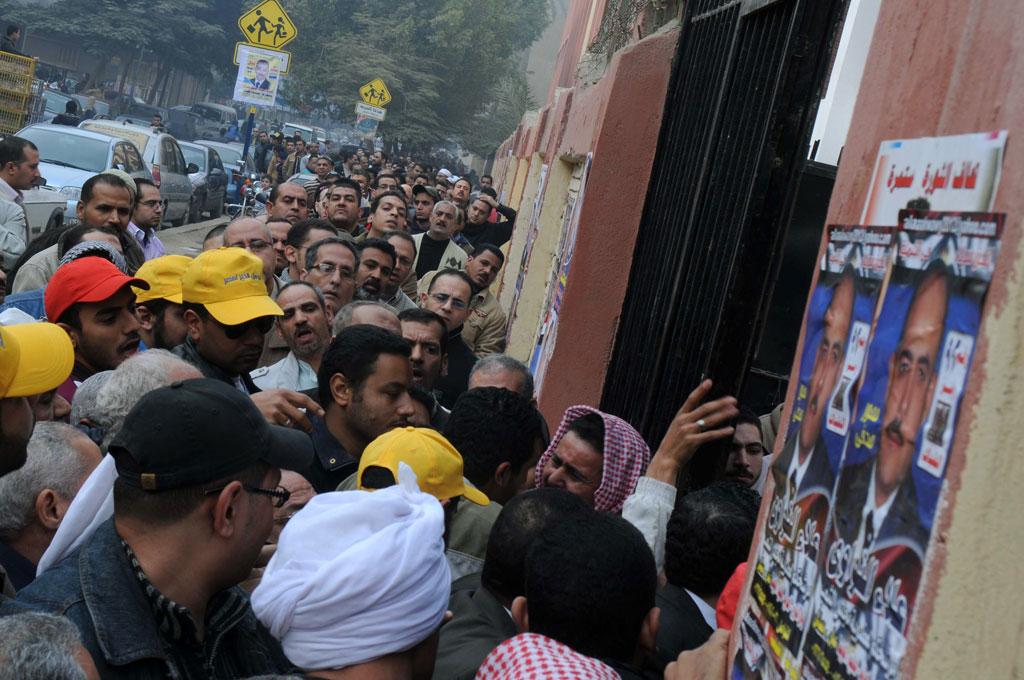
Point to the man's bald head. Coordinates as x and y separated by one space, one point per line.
254 235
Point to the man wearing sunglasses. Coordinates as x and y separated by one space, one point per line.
449 295
228 313
153 591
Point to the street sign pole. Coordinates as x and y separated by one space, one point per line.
250 121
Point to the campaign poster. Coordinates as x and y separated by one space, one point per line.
835 341
259 75
524 262
918 365
958 172
548 331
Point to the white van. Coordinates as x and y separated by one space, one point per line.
289 130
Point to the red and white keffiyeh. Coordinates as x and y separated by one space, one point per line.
626 456
535 657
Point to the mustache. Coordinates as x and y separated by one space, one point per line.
895 430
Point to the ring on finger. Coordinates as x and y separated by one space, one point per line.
287 422
701 425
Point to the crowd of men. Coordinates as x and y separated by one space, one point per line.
303 453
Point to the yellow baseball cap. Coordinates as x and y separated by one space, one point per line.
34 358
229 283
438 466
163 274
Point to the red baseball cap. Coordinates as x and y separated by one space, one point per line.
89 279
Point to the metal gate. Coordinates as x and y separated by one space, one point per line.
744 89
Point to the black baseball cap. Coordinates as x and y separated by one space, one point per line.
423 189
199 431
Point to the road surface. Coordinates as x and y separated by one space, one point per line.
188 239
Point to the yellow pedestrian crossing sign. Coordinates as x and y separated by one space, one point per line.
375 93
267 25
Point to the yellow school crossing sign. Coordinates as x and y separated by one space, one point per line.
267 25
375 93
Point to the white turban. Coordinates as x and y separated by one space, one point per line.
357 575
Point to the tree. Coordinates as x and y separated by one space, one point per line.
446 62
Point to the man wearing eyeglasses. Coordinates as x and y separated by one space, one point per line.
253 235
146 216
449 296
198 475
331 265
228 313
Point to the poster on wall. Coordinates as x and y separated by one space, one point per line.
524 263
548 331
959 172
835 341
259 75
898 445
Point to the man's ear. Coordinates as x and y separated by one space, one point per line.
194 325
503 474
291 253
341 391
146 318
520 614
49 509
649 632
225 513
72 333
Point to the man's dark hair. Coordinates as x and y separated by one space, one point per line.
492 249
349 183
167 507
71 106
381 245
490 426
12 29
457 273
521 521
709 533
463 179
404 235
353 353
12 149
748 417
424 397
103 178
394 194
76 234
589 428
426 177
275 190
489 191
300 230
590 583
483 177
314 249
425 317
387 173
142 182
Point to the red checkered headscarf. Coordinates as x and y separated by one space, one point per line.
626 456
534 657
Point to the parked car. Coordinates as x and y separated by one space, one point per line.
55 102
209 182
68 156
289 130
182 122
166 162
215 119
44 210
231 154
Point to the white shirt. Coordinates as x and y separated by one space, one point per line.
290 373
797 470
705 610
880 512
9 193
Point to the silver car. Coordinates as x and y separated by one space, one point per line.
163 155
69 156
